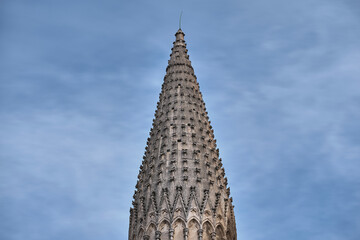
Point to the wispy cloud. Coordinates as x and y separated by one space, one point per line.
79 85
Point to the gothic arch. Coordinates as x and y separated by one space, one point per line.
151 231
179 206
208 229
179 218
193 202
207 209
164 228
179 226
193 227
194 218
165 219
220 234
141 233
149 224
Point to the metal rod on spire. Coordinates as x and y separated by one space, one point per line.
180 19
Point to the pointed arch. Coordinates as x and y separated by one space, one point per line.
150 204
194 218
151 212
141 233
178 227
193 201
207 210
164 207
179 218
220 234
207 203
208 229
164 228
193 227
164 219
193 209
151 231
179 206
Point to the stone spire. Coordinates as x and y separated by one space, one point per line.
181 192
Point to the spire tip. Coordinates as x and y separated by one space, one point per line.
180 19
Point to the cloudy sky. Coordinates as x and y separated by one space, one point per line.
79 82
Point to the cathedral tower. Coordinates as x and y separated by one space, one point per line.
181 192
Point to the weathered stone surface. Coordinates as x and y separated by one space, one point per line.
181 192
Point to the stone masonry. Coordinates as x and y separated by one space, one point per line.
181 192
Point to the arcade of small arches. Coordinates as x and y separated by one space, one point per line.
182 230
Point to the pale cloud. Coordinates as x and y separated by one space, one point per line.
80 83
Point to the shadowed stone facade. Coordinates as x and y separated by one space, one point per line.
181 192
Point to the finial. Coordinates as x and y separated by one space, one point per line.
180 19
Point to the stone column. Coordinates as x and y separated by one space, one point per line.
186 233
157 235
171 233
200 234
213 236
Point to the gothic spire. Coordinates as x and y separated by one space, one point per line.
181 192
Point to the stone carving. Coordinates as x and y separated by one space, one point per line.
181 192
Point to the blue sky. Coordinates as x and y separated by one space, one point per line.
79 82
